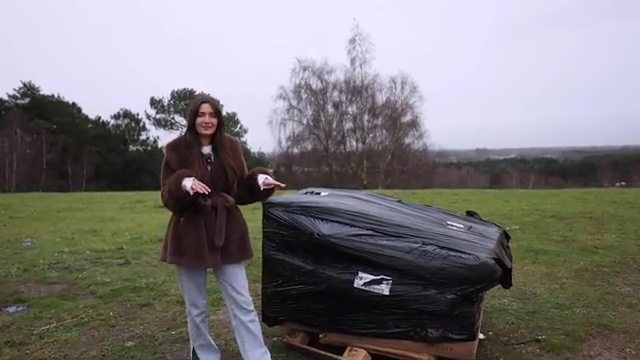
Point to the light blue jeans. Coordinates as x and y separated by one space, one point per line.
234 286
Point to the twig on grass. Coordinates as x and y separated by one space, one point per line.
51 326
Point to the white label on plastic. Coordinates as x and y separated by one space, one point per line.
455 224
375 283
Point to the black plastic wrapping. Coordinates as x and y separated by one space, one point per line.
362 263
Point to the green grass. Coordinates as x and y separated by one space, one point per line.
95 289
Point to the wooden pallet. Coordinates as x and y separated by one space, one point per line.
361 348
301 341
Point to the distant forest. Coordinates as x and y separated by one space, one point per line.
606 168
531 168
48 143
572 152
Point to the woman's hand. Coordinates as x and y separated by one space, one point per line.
270 182
199 187
267 182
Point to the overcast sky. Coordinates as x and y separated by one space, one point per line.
507 73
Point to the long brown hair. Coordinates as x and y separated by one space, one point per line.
221 152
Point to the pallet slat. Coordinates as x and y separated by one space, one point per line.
360 346
405 350
299 337
300 340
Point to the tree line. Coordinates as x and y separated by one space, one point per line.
48 143
337 125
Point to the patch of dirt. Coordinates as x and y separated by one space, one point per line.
37 289
602 347
141 331
89 346
626 290
222 332
608 347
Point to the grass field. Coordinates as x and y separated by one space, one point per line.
86 266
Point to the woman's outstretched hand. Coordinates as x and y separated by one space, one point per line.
270 182
267 182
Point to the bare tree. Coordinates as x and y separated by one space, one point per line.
309 110
401 127
362 122
362 87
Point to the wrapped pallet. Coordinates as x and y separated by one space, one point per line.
362 263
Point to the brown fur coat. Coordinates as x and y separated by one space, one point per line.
207 230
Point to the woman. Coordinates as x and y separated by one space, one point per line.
204 179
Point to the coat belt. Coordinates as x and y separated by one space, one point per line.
216 209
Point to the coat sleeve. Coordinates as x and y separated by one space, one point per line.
174 197
247 189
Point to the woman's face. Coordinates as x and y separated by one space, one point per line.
206 121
